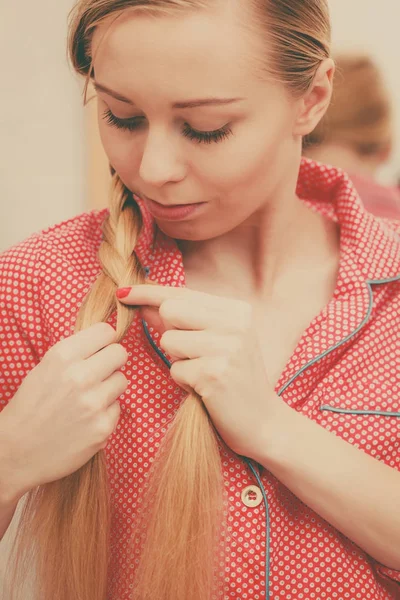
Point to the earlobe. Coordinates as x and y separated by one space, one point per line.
315 102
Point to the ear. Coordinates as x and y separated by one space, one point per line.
314 104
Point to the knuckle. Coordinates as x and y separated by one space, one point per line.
179 373
215 370
107 425
184 378
59 355
166 309
175 370
120 352
87 404
103 430
122 382
118 385
166 338
74 379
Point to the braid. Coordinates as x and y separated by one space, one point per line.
118 261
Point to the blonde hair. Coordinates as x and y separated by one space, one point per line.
65 526
360 114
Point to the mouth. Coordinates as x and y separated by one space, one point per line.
171 212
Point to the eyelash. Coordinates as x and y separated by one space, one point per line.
201 137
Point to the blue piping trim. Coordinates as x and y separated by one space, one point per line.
346 339
334 347
267 529
154 345
346 411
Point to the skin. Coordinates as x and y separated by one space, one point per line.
253 229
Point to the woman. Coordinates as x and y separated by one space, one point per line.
356 133
255 450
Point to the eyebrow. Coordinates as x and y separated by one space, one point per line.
187 104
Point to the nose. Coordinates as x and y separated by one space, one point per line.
161 162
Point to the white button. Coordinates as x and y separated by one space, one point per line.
252 496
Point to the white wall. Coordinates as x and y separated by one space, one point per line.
41 121
373 26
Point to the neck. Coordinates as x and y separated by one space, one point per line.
281 245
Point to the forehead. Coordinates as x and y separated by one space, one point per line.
193 51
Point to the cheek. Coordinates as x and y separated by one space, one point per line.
267 152
245 159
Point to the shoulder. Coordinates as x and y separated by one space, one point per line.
85 226
42 282
44 279
74 241
78 237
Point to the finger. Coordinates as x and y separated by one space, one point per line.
179 313
112 415
83 344
152 317
111 389
101 365
190 374
155 295
196 344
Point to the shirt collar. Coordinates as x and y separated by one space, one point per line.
370 247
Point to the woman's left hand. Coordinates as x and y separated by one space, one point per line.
216 353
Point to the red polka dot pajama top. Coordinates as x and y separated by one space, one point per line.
344 374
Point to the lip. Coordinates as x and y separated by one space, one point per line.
177 212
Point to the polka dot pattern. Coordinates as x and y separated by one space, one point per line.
344 374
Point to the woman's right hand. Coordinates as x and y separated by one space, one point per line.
64 411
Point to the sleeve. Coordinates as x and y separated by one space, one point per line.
23 341
392 576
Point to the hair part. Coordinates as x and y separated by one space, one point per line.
70 518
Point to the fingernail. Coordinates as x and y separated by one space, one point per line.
123 292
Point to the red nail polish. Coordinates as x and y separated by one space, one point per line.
123 292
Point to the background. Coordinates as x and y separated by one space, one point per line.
51 163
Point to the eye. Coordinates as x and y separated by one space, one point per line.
125 124
201 137
206 137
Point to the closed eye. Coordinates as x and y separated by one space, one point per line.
124 124
133 123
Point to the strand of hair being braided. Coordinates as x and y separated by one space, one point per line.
64 530
118 262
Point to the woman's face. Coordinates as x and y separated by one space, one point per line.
186 119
